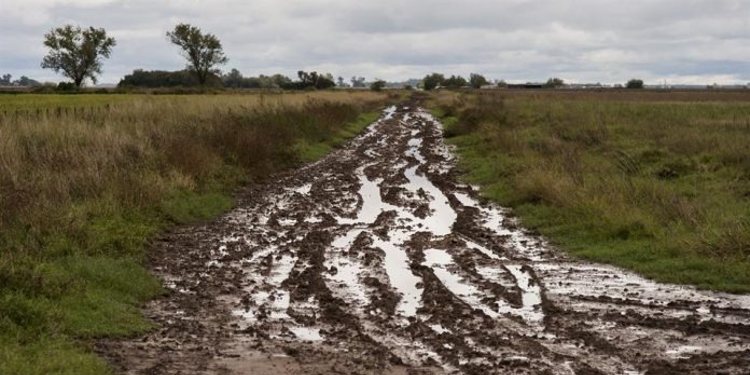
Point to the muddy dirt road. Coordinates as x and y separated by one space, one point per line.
376 260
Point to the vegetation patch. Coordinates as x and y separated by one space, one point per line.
659 187
310 151
82 192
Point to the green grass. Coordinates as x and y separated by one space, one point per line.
44 101
662 188
310 151
49 355
81 195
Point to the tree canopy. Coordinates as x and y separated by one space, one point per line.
432 81
455 82
76 52
202 51
634 84
235 79
358 81
477 80
160 78
314 80
378 85
554 83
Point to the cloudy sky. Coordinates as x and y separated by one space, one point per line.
609 41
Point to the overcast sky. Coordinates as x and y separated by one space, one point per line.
608 41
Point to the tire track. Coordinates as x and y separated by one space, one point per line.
377 260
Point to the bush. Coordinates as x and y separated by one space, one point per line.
377 85
634 84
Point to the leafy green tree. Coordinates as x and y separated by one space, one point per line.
554 83
6 79
477 80
455 82
634 84
202 51
378 85
432 81
76 52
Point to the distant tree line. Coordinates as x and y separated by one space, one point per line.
78 54
7 80
233 79
436 80
160 78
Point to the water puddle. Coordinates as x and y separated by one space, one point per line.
400 275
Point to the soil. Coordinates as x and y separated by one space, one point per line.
377 260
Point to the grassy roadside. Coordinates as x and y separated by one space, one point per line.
313 150
80 196
662 188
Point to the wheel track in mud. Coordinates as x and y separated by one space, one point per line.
377 260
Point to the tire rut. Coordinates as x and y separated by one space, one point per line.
378 260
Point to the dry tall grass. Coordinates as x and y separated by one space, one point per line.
142 147
81 191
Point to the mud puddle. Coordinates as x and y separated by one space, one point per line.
376 260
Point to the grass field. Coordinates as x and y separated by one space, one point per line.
82 191
655 182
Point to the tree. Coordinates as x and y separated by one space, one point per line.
157 78
501 83
634 84
554 83
477 80
26 82
455 82
279 81
315 80
233 79
341 82
202 51
6 80
432 81
358 81
378 85
76 52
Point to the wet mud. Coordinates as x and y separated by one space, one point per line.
377 260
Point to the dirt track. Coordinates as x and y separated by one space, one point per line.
377 260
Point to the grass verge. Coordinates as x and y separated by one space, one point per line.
661 188
82 192
311 151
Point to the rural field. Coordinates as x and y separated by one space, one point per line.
87 182
652 181
363 232
318 187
